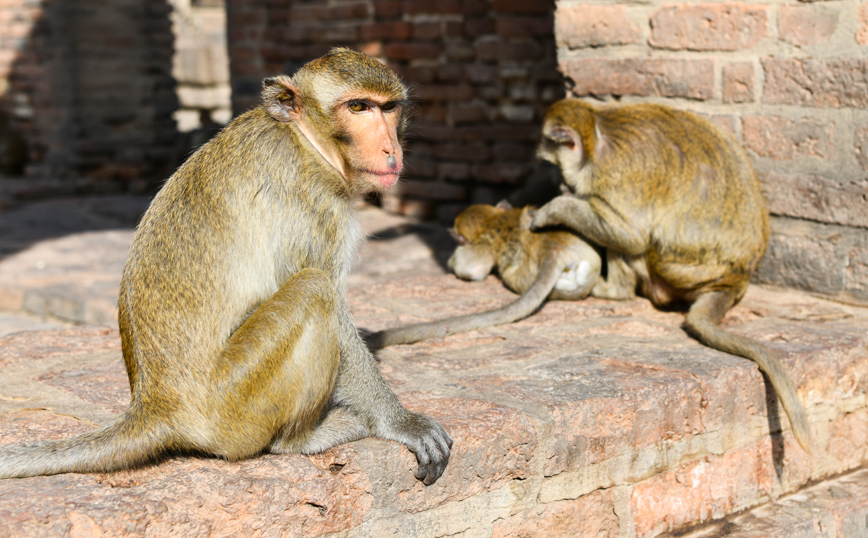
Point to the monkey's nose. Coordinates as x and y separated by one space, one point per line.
392 162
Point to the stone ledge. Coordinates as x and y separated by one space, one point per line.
591 417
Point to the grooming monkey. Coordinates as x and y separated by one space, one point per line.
234 323
551 264
679 210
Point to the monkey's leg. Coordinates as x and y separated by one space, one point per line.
338 426
593 219
278 370
702 320
362 390
621 280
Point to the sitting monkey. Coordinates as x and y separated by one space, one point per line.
552 264
233 315
677 206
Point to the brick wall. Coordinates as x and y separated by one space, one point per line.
483 73
88 85
789 79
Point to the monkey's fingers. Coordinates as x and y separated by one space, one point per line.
433 457
429 441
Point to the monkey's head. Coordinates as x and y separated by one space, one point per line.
569 136
480 231
353 111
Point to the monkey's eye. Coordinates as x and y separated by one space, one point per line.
388 107
358 106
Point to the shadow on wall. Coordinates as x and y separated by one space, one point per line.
87 99
88 90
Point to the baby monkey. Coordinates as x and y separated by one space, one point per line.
551 264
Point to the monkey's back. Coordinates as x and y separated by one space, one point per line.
691 188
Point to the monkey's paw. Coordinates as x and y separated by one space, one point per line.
426 438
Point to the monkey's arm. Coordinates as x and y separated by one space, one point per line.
361 388
593 219
522 307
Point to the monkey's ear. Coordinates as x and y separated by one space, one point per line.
281 98
504 204
564 136
460 239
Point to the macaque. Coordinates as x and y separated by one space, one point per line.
233 314
551 264
677 206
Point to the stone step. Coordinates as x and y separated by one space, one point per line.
590 418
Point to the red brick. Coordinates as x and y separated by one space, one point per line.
386 30
475 8
581 26
298 13
505 172
450 73
439 93
692 79
456 171
477 152
723 26
784 139
481 73
388 8
349 11
462 113
818 83
523 7
418 7
806 25
481 26
738 82
861 146
862 32
427 31
817 198
413 51
497 132
433 190
513 51
526 26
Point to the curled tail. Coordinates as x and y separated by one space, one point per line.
522 307
702 321
125 442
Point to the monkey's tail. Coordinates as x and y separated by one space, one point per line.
702 321
522 307
125 442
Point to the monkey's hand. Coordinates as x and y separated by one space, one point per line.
424 437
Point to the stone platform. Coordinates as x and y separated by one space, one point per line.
591 418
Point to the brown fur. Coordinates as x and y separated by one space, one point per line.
677 205
234 324
534 265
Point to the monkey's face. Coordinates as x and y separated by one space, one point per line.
367 132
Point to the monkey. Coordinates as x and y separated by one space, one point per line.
557 265
677 206
233 315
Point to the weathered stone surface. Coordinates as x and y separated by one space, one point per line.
580 26
707 26
588 418
834 83
692 79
